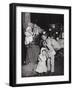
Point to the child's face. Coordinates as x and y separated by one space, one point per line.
43 52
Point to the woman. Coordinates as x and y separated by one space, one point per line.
51 52
32 52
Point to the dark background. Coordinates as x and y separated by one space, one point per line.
43 20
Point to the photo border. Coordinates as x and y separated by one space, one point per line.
12 41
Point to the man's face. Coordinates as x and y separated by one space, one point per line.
44 37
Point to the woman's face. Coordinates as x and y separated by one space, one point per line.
44 37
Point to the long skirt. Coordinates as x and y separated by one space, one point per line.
31 61
32 54
41 67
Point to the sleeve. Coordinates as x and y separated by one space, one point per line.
55 44
39 58
50 47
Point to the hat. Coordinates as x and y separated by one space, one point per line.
44 34
43 49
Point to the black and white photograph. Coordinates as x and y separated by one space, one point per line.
40 44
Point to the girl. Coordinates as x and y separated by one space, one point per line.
41 67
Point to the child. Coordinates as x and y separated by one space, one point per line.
41 67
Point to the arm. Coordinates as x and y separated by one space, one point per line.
50 47
39 59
